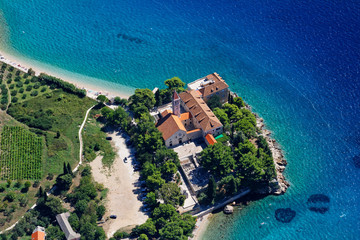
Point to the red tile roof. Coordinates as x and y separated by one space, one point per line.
210 139
217 85
169 125
38 235
200 110
185 116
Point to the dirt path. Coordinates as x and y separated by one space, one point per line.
80 139
121 181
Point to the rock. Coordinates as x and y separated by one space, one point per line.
228 209
284 215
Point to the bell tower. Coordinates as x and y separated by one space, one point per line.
176 104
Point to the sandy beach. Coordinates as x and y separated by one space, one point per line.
201 225
121 182
93 86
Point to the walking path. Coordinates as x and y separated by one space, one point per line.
81 140
75 169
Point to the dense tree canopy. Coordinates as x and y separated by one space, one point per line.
218 159
170 194
175 84
142 97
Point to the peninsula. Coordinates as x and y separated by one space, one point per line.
177 153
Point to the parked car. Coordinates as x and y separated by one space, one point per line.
113 216
109 138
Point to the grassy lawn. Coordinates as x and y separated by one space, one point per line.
95 142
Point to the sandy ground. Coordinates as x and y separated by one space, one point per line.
92 85
121 181
201 226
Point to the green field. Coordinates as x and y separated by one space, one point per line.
21 154
49 115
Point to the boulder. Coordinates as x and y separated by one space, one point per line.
228 209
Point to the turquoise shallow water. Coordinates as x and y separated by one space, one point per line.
296 63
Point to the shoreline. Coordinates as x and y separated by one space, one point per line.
278 156
93 86
280 164
201 225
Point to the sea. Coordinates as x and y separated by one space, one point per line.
297 63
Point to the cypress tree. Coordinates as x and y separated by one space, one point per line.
232 186
45 196
211 189
65 169
40 192
69 168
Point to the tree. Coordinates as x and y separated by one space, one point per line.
214 102
163 154
211 189
154 181
142 97
107 113
81 207
165 211
238 101
147 228
54 232
65 169
53 207
168 169
221 115
170 193
175 84
233 112
218 159
151 199
158 98
86 171
27 185
74 221
10 196
117 100
143 237
64 181
69 168
148 169
100 211
172 230
102 98
31 72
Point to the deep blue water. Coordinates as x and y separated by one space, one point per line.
296 62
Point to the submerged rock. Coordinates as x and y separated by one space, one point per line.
318 203
284 215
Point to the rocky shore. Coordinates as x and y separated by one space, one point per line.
280 184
